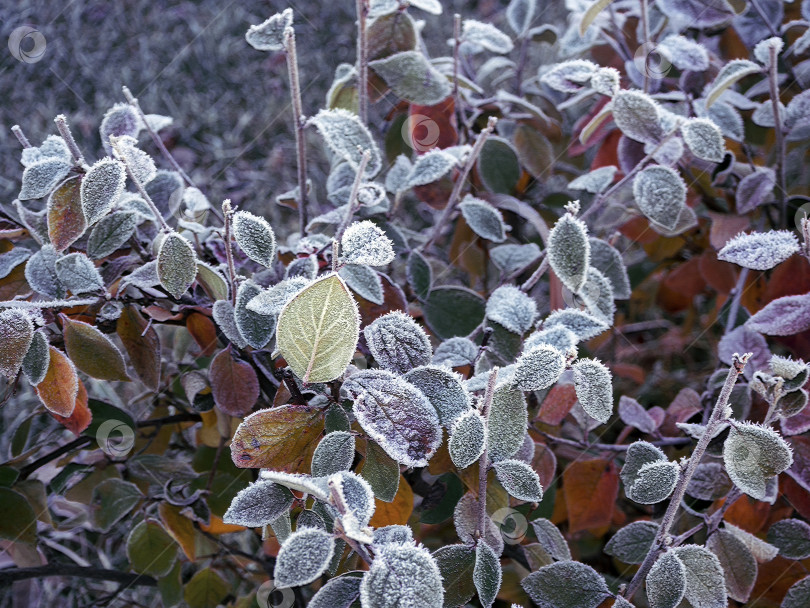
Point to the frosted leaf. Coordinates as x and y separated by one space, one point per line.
17 334
396 415
35 221
632 542
762 51
655 482
638 454
53 147
597 293
519 15
519 480
761 550
760 250
101 187
40 272
428 168
270 301
705 583
619 603
354 494
512 259
269 35
569 76
258 505
310 519
594 388
743 340
371 194
382 584
299 482
334 453
487 574
484 219
569 251
794 372
455 352
666 581
584 325
304 267
196 204
486 36
729 74
434 7
784 316
465 519
667 153
798 596
396 180
41 177
176 264
397 342
467 439
340 592
512 308
365 243
142 277
78 274
683 53
538 368
566 584
725 116
754 453
303 557
638 116
508 418
595 181
364 281
660 194
134 202
119 120
633 414
763 114
606 81
755 188
419 274
397 534
111 233
704 139
11 259
739 566
791 537
551 539
158 122
444 390
556 336
166 190
347 138
137 161
255 328
255 236
224 316
608 261
411 77
35 363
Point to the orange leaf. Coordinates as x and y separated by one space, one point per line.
66 221
590 488
203 331
217 526
397 511
680 286
180 528
92 351
81 417
142 344
559 401
59 388
234 384
748 514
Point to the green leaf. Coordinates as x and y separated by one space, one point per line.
258 505
35 363
420 275
638 116
334 453
381 472
487 574
364 281
318 330
660 194
519 480
566 584
705 583
551 539
608 260
569 251
591 13
456 565
753 454
77 273
412 78
520 14
538 368
176 264
150 549
739 565
340 592
498 166
347 137
632 542
112 500
453 311
508 418
41 177
19 522
666 581
92 352
111 233
206 589
791 537
382 584
444 390
303 557
704 139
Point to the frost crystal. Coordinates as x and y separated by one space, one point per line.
269 36
303 557
539 368
639 454
166 190
334 453
444 390
455 352
394 563
397 178
11 259
660 194
594 388
398 343
101 187
704 139
760 250
296 481
484 219
270 301
486 36
428 168
258 505
78 274
519 14
753 454
365 243
569 251
255 236
467 439
519 480
41 177
569 76
666 581
17 334
584 325
412 77
304 267
784 316
558 336
512 308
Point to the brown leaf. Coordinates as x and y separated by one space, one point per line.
557 404
748 514
92 351
203 331
14 284
396 512
66 221
142 344
234 384
60 387
393 299
282 438
590 488
179 528
80 419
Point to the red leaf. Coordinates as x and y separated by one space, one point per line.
142 344
80 419
59 388
234 384
557 404
590 488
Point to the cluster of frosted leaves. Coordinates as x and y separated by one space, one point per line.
557 336
487 574
467 439
366 243
353 497
258 505
347 137
666 581
77 273
519 480
139 163
485 220
729 74
754 454
595 181
512 308
444 389
647 474
303 557
660 194
566 584
398 343
704 139
760 250
40 272
255 236
683 53
569 251
485 36
632 543
36 361
269 35
608 260
364 281
16 334
41 177
411 77
791 537
335 452
396 415
761 550
176 264
638 116
569 76
455 352
583 324
101 187
538 368
594 388
508 419
428 168
382 584
705 581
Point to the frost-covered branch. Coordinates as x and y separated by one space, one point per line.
483 461
300 125
152 206
64 131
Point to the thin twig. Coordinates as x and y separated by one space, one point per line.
362 60
611 447
64 131
736 294
10 575
773 84
483 461
76 444
300 125
350 208
536 275
227 213
139 185
18 133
